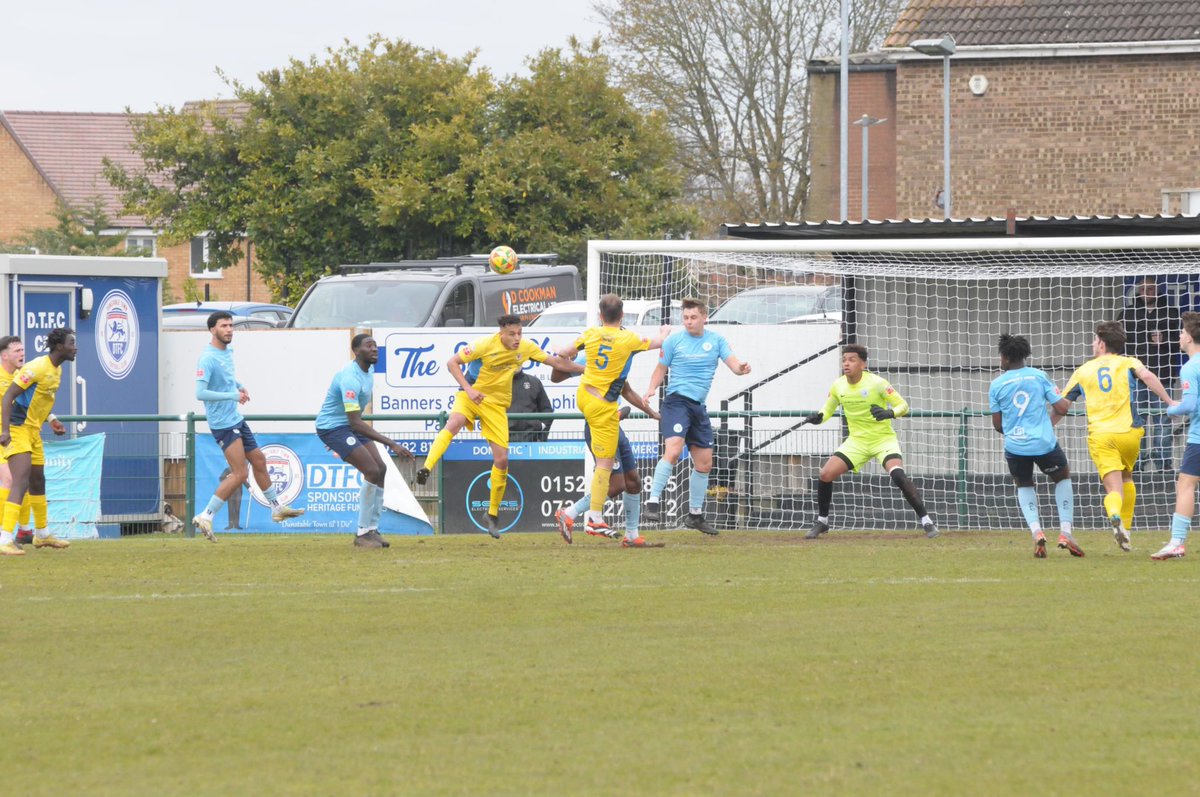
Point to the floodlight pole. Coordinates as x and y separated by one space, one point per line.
844 124
866 123
945 47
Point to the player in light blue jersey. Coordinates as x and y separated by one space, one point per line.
222 394
691 355
1189 466
1018 401
341 427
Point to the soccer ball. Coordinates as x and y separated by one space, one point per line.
503 260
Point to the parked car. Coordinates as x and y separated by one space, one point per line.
200 321
638 313
782 304
261 310
449 292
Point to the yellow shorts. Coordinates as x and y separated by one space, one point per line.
860 453
603 419
492 418
25 441
1115 451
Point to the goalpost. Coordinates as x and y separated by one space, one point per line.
929 312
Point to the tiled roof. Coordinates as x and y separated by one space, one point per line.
69 149
1000 22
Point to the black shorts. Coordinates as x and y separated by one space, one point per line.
1021 465
227 437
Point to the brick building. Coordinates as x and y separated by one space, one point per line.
1057 108
47 157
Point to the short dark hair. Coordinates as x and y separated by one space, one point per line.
694 304
58 337
358 339
855 348
1014 348
612 309
219 315
508 320
1113 335
1191 325
7 341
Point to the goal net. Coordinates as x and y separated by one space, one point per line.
929 313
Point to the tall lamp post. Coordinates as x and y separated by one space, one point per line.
844 115
866 123
945 48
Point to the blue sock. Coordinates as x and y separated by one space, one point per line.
366 499
697 491
214 505
662 475
1027 500
269 494
1180 526
633 511
1064 499
581 506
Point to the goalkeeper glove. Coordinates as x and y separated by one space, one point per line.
881 413
815 418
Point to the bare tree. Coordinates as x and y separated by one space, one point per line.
731 77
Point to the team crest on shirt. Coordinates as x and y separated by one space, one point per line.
286 472
117 334
707 346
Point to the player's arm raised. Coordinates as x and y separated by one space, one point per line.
1155 384
455 366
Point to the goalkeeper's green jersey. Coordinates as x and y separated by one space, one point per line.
856 401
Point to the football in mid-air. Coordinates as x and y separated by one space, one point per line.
503 260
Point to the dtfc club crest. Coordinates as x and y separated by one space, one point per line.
286 472
117 334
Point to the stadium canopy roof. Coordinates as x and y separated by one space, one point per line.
1027 226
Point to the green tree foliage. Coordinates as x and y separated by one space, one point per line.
387 151
78 230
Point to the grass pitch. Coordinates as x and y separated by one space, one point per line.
751 663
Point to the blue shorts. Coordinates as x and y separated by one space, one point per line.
1021 465
1190 466
227 437
341 440
686 418
624 462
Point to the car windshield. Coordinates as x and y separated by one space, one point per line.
567 319
767 308
390 303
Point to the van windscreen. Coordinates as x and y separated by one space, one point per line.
362 303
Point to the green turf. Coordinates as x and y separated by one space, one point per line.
751 663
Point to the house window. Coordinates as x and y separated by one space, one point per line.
1181 201
199 260
141 245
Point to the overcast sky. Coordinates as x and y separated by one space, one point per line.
87 55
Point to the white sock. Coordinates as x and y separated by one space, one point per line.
926 519
361 532
207 514
631 535
1065 529
824 520
6 538
1035 531
595 517
41 534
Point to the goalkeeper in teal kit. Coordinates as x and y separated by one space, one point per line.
869 404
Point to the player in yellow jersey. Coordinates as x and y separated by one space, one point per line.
868 404
1115 428
609 349
486 393
25 406
12 357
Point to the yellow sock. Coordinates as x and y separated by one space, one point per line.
38 504
9 523
499 485
1112 504
3 495
600 488
440 444
1130 496
26 506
